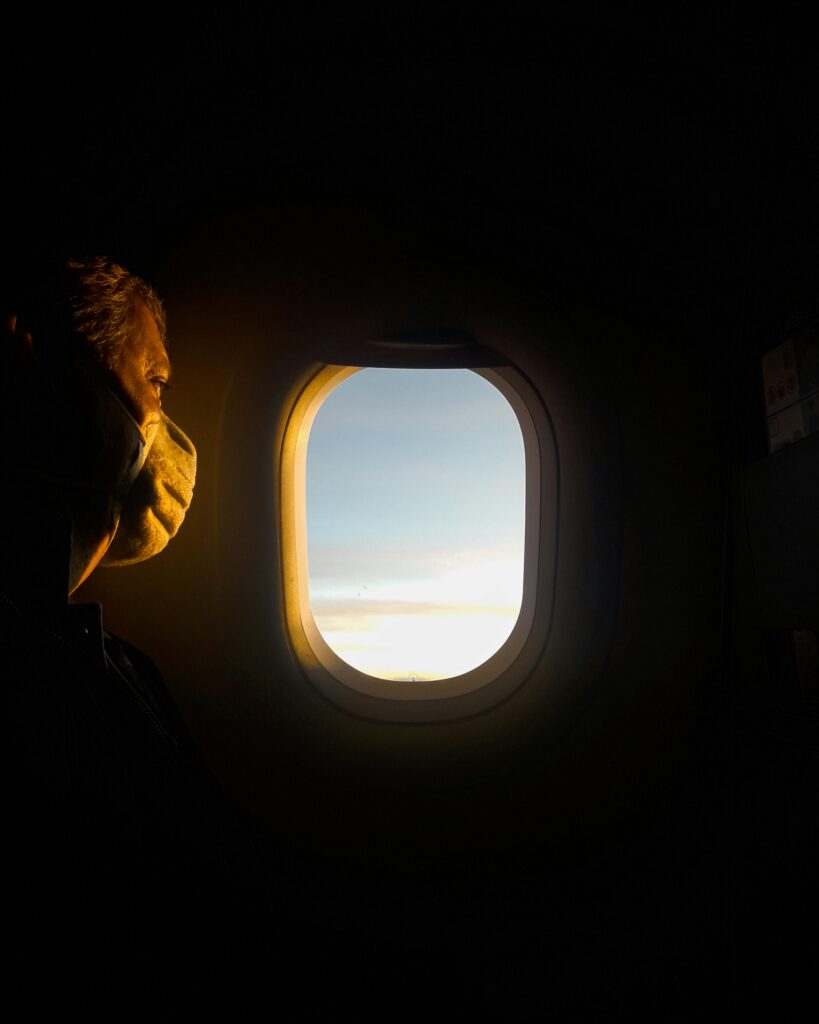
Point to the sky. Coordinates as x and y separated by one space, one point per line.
415 521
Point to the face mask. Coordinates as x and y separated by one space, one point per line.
158 498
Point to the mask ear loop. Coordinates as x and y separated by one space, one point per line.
141 449
53 382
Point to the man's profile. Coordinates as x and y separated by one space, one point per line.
124 859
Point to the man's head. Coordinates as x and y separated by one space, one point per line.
86 366
106 304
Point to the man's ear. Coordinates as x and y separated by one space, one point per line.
18 337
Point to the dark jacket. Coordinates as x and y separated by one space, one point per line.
131 877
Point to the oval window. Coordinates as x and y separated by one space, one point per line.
415 522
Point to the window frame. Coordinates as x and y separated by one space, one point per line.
509 667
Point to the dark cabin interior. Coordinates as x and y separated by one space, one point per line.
641 195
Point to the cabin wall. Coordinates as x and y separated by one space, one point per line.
547 826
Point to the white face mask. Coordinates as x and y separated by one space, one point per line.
157 500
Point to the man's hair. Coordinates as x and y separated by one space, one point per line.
102 298
73 304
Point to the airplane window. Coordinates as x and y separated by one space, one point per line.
415 521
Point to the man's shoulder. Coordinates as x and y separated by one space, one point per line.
122 652
139 674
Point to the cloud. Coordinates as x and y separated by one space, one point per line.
366 615
476 578
403 639
330 562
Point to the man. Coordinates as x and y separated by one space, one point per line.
86 366
126 875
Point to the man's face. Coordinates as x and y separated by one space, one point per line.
139 377
142 372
